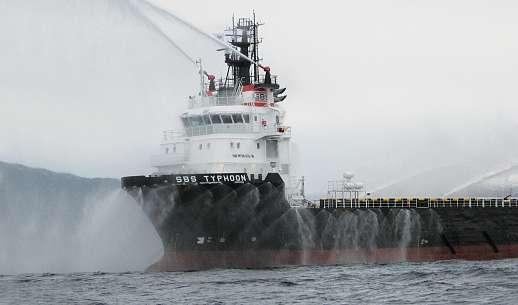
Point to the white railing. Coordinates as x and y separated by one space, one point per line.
243 128
273 77
412 202
172 135
208 101
218 128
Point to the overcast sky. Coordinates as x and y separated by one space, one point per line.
385 89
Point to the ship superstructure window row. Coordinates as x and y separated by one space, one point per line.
223 118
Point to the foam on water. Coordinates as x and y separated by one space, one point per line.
494 282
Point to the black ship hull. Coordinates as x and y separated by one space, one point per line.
249 224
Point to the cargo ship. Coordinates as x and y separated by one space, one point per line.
223 195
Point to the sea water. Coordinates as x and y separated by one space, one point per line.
445 282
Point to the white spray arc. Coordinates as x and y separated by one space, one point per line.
108 233
168 13
485 176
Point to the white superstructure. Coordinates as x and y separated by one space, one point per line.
234 125
243 132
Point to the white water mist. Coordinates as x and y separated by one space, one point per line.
109 233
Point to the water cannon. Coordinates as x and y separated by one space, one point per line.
265 68
212 83
268 75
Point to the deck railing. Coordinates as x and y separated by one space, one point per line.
209 101
219 128
335 203
236 128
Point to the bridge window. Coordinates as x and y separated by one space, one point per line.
200 146
195 120
246 118
206 119
231 144
208 145
258 145
238 145
185 122
215 118
237 118
226 118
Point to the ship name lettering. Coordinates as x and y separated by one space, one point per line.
243 156
219 178
232 178
185 179
243 177
225 178
206 178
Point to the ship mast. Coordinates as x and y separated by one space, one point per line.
201 72
255 52
243 38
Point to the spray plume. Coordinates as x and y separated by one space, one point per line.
151 24
227 46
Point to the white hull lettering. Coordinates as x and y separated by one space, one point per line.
209 179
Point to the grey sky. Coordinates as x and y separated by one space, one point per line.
382 88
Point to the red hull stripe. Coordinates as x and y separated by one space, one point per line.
200 260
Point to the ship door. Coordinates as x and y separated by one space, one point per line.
272 152
256 121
